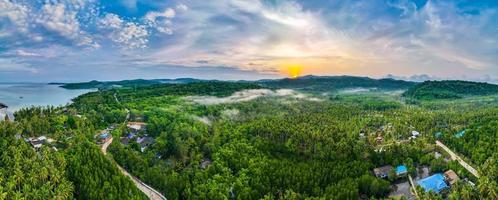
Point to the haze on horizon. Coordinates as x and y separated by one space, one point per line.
81 40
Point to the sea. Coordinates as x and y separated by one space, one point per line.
23 95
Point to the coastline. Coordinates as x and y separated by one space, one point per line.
24 95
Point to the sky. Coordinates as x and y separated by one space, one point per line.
81 40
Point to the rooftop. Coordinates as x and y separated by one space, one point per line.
401 170
382 171
104 135
136 125
433 183
451 176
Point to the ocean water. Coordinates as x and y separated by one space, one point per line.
20 95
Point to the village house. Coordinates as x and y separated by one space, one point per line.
451 177
5 114
36 142
104 136
415 134
435 183
401 170
383 172
145 142
136 127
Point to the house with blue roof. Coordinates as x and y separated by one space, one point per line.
435 183
104 136
401 170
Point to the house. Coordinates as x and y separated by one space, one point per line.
383 172
145 142
136 127
451 177
104 137
435 183
37 142
401 170
5 114
415 133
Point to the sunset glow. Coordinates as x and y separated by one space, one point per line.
294 71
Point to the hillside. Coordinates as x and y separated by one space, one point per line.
309 83
109 84
330 83
450 90
126 83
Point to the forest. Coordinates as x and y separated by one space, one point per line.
450 90
279 144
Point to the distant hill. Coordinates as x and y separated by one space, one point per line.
125 83
449 90
310 83
330 83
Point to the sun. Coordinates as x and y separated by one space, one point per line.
294 70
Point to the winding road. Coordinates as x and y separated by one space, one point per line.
147 190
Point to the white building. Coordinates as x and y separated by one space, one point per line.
415 134
5 114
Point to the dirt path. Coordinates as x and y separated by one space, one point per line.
454 156
147 190
126 109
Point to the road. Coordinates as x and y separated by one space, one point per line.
147 190
126 109
413 186
454 156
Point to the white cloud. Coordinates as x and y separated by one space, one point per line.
17 14
111 21
181 7
152 16
132 35
55 18
128 35
24 53
60 19
161 21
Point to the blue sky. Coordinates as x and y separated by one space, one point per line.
79 40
